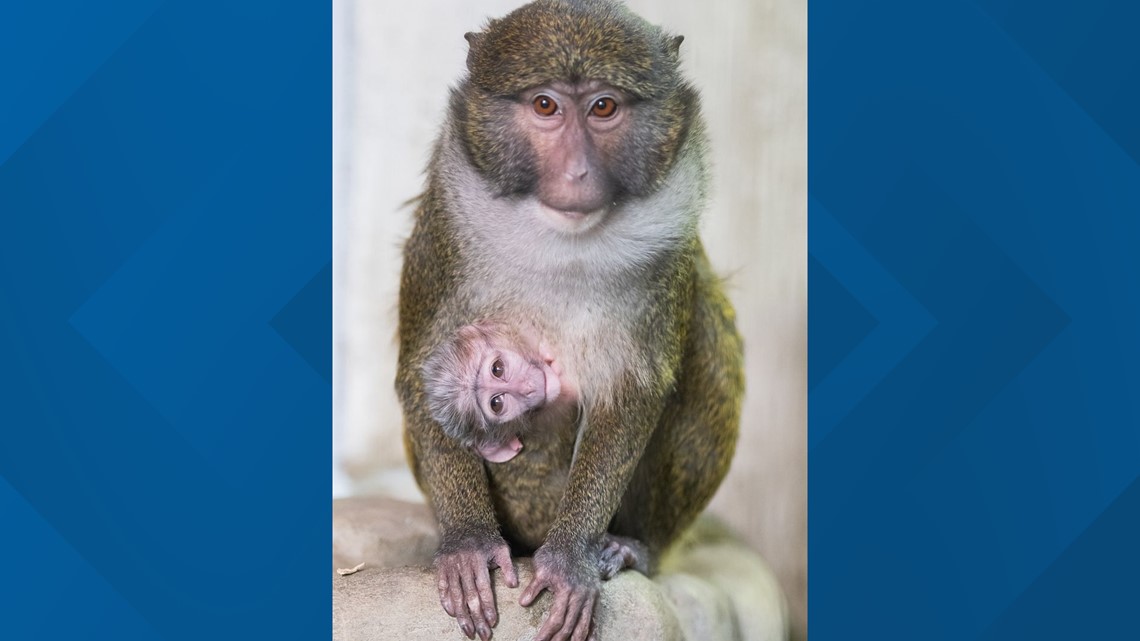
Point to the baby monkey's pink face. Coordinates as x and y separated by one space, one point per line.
509 385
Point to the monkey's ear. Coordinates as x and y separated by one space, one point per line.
473 39
675 44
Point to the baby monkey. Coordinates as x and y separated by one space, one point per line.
493 385
487 385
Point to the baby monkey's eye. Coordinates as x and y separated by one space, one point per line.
604 107
497 368
497 403
545 105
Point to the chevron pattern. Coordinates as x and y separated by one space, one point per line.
164 320
974 466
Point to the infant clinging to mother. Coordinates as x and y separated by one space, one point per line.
487 385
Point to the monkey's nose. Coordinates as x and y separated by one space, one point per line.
575 175
577 167
534 386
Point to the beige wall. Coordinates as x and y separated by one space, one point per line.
393 65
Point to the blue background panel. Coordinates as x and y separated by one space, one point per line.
165 320
974 446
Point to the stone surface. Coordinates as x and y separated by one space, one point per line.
402 603
721 588
711 586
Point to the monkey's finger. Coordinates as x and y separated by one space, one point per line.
574 610
486 595
454 585
483 611
458 604
585 621
502 559
555 618
444 586
629 558
537 585
608 564
469 570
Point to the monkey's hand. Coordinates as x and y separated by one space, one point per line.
464 581
574 581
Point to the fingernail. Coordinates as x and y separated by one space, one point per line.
490 616
468 631
484 632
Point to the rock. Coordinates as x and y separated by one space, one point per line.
711 586
402 603
721 588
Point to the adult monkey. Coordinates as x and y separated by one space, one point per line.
564 192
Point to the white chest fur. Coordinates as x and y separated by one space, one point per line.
585 292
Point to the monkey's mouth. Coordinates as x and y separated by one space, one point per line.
501 452
572 215
567 220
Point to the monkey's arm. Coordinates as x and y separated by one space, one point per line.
607 456
456 484
452 477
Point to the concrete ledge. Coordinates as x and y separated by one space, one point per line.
711 587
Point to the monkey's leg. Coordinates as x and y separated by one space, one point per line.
690 452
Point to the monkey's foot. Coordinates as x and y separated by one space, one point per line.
620 552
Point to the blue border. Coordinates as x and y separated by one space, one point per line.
165 320
974 219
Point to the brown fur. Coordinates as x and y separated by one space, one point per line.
541 42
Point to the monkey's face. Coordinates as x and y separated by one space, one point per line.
574 131
578 150
573 107
508 385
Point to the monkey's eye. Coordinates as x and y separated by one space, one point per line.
545 105
497 403
497 368
604 107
